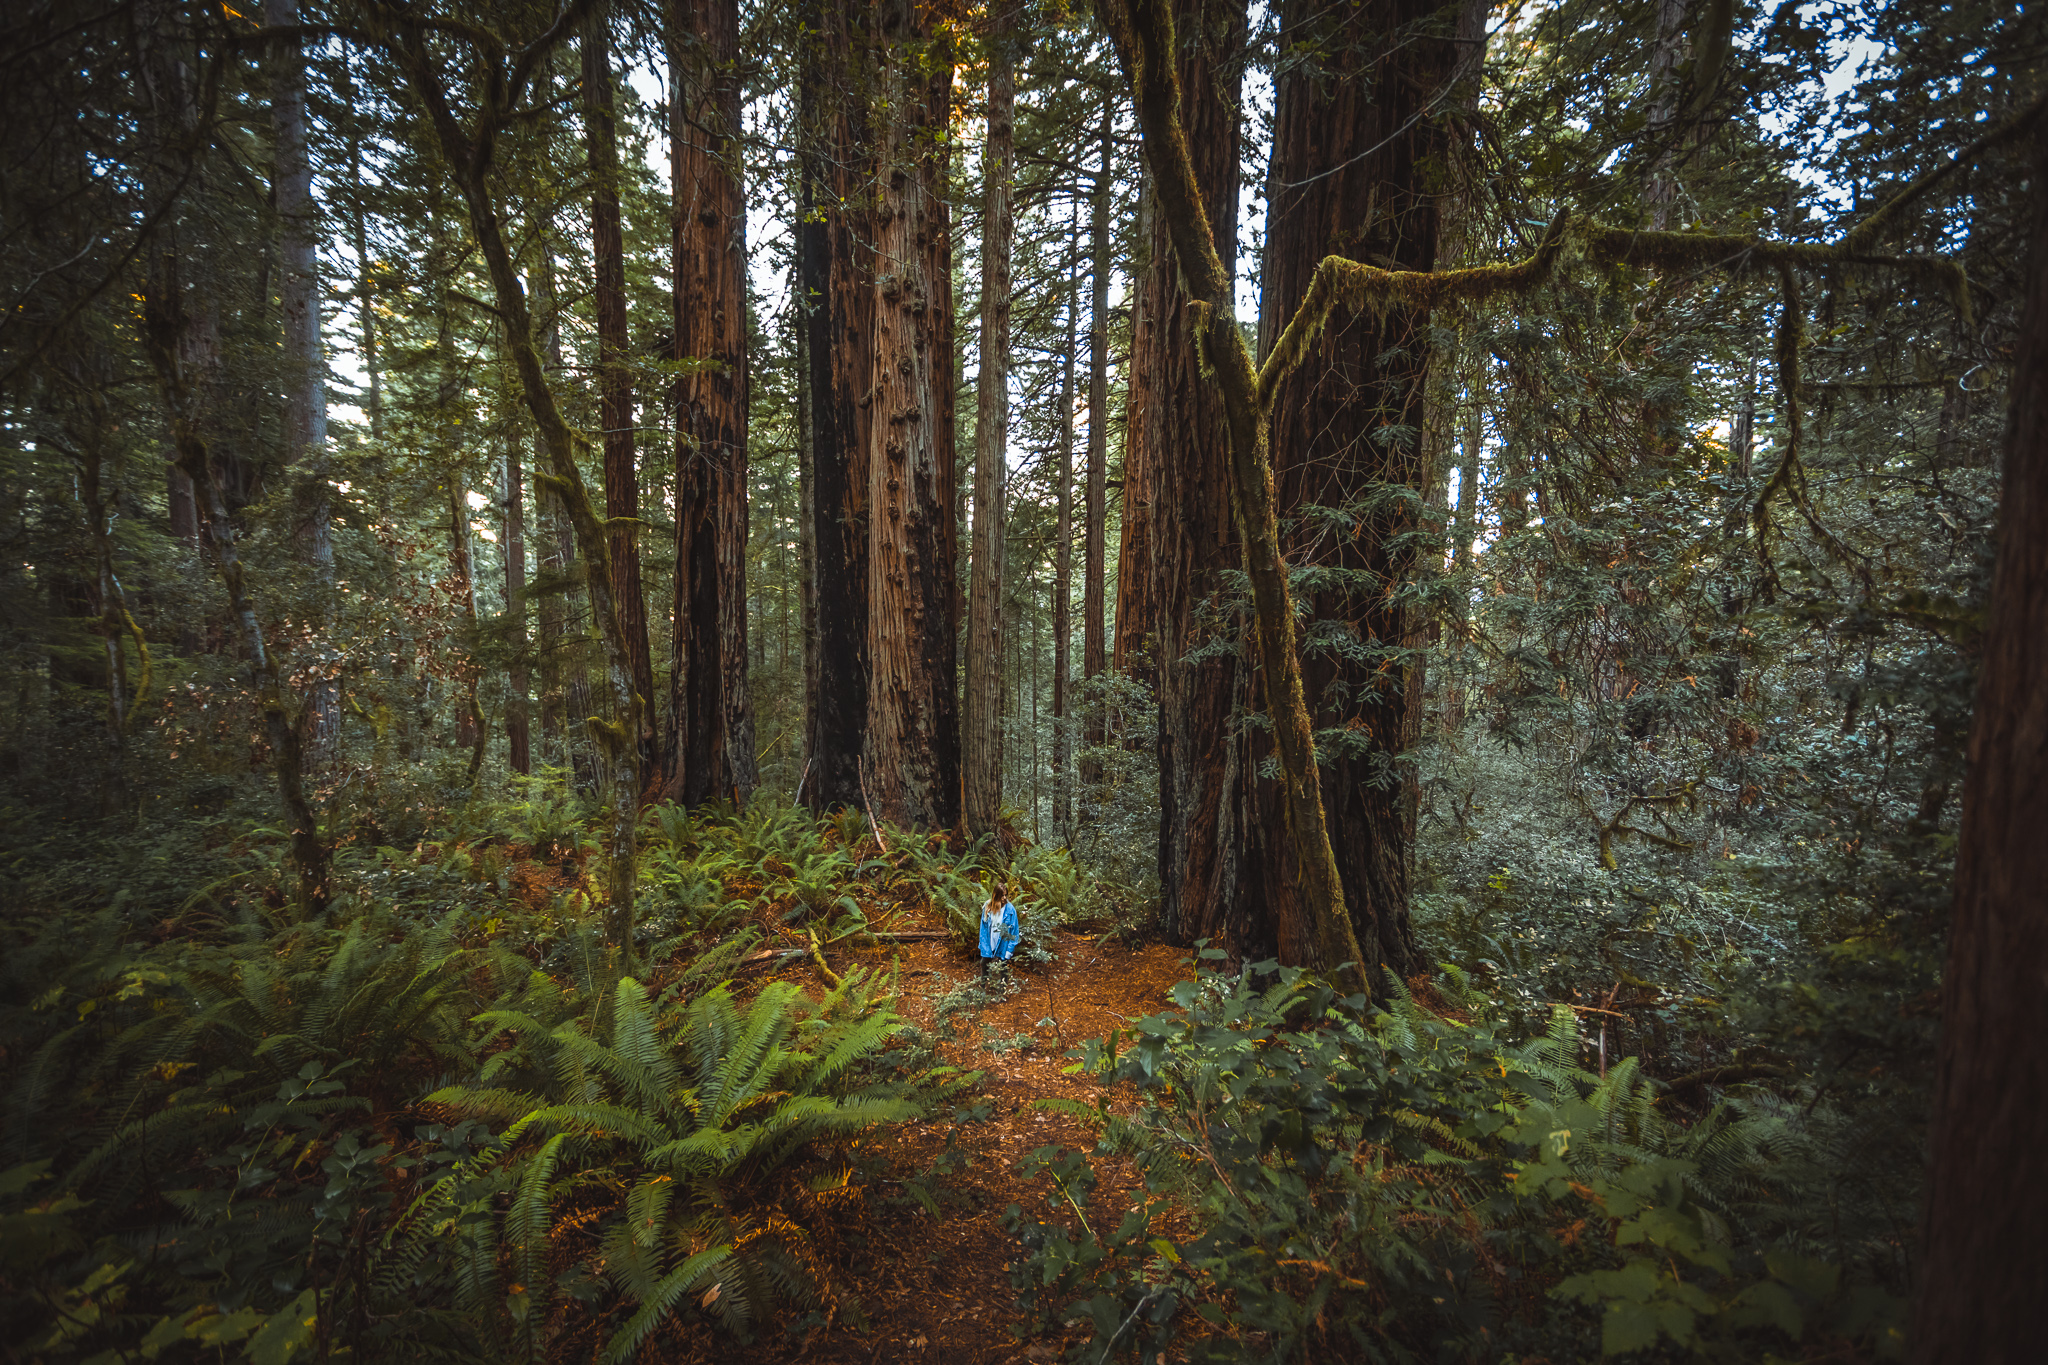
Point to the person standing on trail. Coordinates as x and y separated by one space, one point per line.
999 930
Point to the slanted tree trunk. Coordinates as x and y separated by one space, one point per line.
1978 1297
912 755
305 408
1094 650
614 374
1186 452
1063 582
835 271
710 748
982 760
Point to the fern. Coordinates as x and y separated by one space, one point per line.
689 1115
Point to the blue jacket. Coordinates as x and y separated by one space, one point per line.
999 932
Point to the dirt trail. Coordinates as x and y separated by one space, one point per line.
939 1290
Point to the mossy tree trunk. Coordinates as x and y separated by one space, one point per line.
1184 491
1353 147
1143 31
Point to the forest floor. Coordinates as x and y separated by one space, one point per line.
939 1289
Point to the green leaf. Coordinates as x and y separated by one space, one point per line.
1627 1327
288 1332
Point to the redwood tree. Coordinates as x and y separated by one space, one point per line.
912 744
710 737
1353 147
835 279
1987 1200
1186 472
982 793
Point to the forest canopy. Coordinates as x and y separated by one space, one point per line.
1473 574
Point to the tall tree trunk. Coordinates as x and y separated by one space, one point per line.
835 269
305 409
1094 649
982 762
1132 652
1186 446
1063 579
517 731
1978 1299
912 757
1667 52
1351 152
711 731
1147 46
614 375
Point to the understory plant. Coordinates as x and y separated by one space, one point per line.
1418 1183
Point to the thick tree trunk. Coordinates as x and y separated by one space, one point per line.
711 730
1186 447
1132 652
1147 47
1978 1299
1094 649
835 269
305 407
1063 583
1351 152
517 731
614 375
982 770
912 757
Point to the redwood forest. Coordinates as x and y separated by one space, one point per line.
1006 681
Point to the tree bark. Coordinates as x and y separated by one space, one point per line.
1094 650
470 731
1143 32
1352 148
1980 1267
614 373
1132 652
912 754
1185 443
835 269
711 731
982 760
1063 582
166 327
